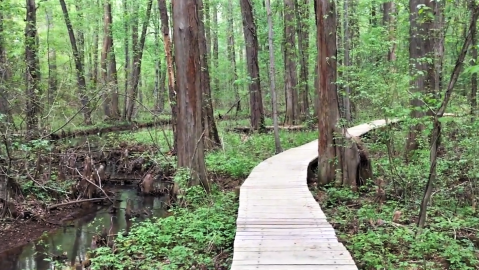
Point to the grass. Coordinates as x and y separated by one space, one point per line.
201 233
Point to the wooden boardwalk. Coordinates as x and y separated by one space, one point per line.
280 226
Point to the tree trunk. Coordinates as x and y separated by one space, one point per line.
473 76
340 159
108 65
421 45
126 68
96 41
32 70
4 107
187 56
211 137
216 81
277 142
347 62
52 62
78 66
251 41
137 58
232 55
165 29
389 9
290 72
302 16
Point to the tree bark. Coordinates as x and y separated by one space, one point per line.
474 75
216 81
170 69
187 58
126 68
232 55
328 99
302 11
421 46
347 62
80 71
251 41
32 70
4 106
211 137
290 65
389 9
52 62
277 142
108 65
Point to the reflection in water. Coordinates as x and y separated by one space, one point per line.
75 241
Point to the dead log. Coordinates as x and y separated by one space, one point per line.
267 128
53 206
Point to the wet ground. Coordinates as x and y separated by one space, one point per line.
62 247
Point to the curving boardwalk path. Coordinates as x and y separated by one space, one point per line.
280 226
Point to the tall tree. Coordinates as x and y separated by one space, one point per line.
32 69
277 142
328 98
422 37
170 65
302 17
474 75
347 61
211 137
232 55
251 40
80 71
137 59
290 64
187 58
4 107
389 8
215 54
108 65
126 41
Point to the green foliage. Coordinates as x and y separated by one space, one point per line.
191 236
243 152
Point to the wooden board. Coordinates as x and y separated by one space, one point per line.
280 226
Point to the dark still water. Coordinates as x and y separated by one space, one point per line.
72 243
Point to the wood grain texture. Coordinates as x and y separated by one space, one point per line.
279 224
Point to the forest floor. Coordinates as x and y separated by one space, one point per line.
381 231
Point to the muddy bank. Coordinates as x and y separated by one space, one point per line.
67 245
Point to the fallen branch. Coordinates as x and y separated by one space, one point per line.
77 201
268 128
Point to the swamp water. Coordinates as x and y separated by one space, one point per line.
75 240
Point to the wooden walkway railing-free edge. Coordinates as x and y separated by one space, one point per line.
280 226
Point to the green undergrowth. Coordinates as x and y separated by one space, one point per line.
382 233
199 234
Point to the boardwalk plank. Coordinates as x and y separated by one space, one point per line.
279 225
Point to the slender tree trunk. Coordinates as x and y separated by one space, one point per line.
421 46
389 9
78 66
158 107
52 62
347 62
126 68
208 29
32 69
137 58
216 81
251 40
277 142
165 29
302 17
211 137
96 41
232 55
316 66
474 75
187 55
108 65
80 35
4 106
290 64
